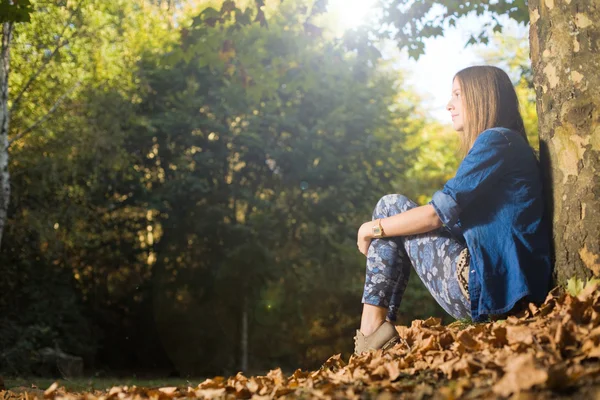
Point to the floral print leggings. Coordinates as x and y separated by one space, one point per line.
433 255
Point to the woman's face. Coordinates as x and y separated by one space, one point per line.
455 106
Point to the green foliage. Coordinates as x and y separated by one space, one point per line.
282 145
15 11
42 309
199 174
65 238
462 323
436 160
576 285
70 47
411 22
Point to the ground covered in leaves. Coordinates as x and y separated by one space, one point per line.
548 352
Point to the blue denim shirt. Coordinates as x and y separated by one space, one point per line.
495 203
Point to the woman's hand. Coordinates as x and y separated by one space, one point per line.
364 237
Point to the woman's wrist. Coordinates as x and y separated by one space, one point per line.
367 229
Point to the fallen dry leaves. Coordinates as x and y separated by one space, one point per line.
554 348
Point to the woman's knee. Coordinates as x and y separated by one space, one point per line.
391 204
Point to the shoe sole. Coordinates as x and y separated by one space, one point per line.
389 344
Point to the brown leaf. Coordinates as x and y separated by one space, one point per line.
334 362
283 391
546 308
446 339
209 393
277 376
422 390
115 390
564 335
456 390
464 366
448 367
575 308
499 335
467 340
380 371
525 396
299 374
403 332
428 344
420 365
594 333
393 369
588 292
553 346
431 321
533 309
253 385
519 334
360 374
48 392
216 382
592 351
522 373
168 390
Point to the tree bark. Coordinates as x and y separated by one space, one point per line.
565 43
4 119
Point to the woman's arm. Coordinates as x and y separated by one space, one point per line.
411 222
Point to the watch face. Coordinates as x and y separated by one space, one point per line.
376 231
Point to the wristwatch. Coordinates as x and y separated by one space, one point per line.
377 230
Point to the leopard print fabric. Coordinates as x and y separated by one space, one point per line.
462 272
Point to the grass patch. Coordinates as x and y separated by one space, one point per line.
461 323
90 384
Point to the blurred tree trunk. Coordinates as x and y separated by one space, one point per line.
4 119
565 41
244 366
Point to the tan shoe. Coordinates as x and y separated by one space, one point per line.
384 337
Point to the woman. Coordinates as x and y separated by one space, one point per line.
481 246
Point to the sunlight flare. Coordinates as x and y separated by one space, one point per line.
350 14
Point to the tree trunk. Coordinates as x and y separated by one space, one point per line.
4 118
244 366
565 43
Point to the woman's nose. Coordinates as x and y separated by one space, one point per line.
449 106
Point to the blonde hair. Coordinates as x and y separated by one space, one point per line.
489 100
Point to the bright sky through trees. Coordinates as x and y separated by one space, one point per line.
430 76
350 14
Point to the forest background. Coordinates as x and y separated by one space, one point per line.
188 181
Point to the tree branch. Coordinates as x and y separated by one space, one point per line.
41 68
45 117
6 32
37 73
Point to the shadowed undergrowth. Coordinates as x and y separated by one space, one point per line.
551 351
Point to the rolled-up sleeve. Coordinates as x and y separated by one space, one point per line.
483 166
445 207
